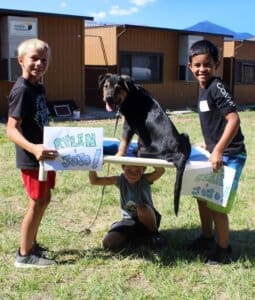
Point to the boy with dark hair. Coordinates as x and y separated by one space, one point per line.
223 138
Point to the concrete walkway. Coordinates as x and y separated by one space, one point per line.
95 113
91 113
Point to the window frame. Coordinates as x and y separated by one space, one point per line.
129 63
242 69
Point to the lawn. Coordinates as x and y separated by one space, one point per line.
85 271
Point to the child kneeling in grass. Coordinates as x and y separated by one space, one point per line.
139 217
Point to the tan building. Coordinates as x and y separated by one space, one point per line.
155 57
65 35
239 70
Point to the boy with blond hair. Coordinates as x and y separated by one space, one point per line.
27 116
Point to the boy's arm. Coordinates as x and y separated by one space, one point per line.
233 123
156 174
14 133
107 180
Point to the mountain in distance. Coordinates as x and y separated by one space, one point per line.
209 27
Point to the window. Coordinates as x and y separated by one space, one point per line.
185 42
245 72
145 67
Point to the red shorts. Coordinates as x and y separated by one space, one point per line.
37 189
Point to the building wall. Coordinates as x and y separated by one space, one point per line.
229 47
100 46
244 94
104 44
172 92
245 51
65 77
242 50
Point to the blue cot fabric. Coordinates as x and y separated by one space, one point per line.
110 147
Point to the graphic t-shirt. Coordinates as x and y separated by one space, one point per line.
214 103
28 103
132 194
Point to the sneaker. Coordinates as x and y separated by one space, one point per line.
40 250
220 256
201 244
157 241
32 260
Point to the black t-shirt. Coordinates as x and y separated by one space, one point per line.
28 103
214 103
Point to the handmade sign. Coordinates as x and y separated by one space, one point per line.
83 148
200 181
78 148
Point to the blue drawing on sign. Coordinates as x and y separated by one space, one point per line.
75 160
96 158
207 193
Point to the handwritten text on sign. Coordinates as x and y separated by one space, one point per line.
78 148
200 181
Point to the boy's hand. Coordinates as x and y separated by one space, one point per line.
216 160
44 154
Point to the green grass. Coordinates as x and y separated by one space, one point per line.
86 271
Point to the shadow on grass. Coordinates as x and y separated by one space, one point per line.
68 256
174 252
243 244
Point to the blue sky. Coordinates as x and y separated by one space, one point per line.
238 16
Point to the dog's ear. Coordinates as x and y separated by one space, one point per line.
126 81
127 78
102 78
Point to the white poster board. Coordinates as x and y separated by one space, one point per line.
79 148
200 181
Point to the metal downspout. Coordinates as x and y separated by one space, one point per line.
117 48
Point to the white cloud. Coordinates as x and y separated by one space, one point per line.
141 2
116 10
63 4
98 15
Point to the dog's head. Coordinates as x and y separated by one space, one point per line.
115 89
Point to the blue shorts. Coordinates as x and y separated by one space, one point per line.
237 163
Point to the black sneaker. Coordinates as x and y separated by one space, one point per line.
32 261
201 244
157 241
220 256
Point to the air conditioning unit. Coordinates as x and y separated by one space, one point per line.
14 30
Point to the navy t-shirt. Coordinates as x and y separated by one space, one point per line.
28 103
214 103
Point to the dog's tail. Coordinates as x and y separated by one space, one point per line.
185 149
177 188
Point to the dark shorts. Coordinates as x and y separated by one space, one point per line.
37 189
132 228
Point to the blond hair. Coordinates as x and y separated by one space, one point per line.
34 44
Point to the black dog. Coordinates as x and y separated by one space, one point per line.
157 135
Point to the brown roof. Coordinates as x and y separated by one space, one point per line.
183 31
26 13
